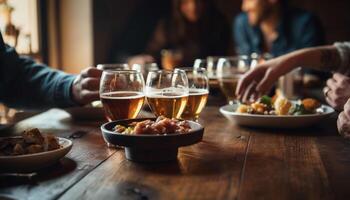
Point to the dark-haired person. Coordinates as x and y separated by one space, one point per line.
196 29
271 26
333 58
27 84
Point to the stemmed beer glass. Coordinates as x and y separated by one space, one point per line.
229 71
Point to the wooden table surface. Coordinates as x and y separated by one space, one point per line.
230 163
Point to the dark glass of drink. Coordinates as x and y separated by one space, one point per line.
121 93
229 71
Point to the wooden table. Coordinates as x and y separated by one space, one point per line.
230 163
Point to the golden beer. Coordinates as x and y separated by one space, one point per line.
170 105
228 87
121 104
196 102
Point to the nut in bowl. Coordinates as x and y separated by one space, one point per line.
161 126
151 139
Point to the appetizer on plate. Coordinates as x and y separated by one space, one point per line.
32 141
279 105
161 126
152 139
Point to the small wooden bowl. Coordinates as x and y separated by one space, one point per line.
150 148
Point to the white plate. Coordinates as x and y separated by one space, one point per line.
273 121
32 162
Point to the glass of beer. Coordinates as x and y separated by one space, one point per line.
167 92
229 71
198 92
210 64
112 66
121 93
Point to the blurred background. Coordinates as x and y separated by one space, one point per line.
73 34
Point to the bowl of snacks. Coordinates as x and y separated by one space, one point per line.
277 112
152 139
31 151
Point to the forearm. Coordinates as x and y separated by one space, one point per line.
31 85
324 58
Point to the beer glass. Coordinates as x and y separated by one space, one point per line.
121 93
167 92
198 92
210 64
113 66
229 71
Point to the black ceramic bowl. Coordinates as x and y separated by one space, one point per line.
151 148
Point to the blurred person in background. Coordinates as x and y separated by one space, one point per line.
334 58
27 84
196 29
271 26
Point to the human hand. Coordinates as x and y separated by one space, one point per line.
85 87
343 122
259 81
337 91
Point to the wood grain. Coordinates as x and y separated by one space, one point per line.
87 153
208 170
231 162
284 167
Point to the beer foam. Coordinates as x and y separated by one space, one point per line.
170 92
166 95
126 95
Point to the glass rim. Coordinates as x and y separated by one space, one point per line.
115 71
191 69
111 65
200 59
165 71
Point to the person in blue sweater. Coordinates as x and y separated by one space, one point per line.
271 26
30 85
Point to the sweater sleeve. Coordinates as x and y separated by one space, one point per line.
27 84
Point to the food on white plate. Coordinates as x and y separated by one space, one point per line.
31 141
161 126
279 105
